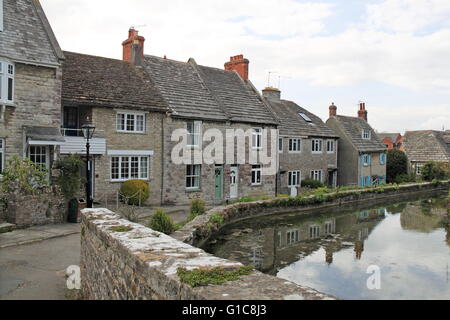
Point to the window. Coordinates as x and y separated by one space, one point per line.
292 236
129 167
329 227
305 117
256 175
330 146
419 167
366 160
316 145
7 73
316 175
295 145
2 154
39 155
257 138
382 158
130 122
293 178
194 129
280 144
366 134
193 176
314 232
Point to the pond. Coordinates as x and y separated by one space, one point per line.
391 251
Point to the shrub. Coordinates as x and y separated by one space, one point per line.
135 192
161 222
313 184
70 179
217 219
435 170
24 176
197 207
404 178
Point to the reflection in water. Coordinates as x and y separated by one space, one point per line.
331 251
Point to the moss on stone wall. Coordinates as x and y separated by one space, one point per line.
218 275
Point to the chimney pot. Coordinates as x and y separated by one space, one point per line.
333 110
362 112
238 64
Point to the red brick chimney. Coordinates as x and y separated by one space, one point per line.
238 64
362 112
133 47
333 110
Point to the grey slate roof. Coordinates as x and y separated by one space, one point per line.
427 145
27 35
200 92
97 81
292 124
353 128
44 133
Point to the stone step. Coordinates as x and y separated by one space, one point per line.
6 227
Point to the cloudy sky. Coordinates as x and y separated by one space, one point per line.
392 54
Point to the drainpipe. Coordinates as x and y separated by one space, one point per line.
162 157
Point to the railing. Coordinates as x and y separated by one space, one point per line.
76 143
66 132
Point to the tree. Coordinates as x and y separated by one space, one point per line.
435 170
397 164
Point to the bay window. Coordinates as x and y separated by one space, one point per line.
7 74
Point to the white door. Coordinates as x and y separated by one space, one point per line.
234 175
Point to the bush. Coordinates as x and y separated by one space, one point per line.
404 177
135 192
161 222
312 184
24 176
70 179
435 170
197 207
396 165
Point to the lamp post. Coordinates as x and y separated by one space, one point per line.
88 131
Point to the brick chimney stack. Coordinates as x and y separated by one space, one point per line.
333 110
362 112
272 93
238 64
133 47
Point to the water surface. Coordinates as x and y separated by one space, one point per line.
331 251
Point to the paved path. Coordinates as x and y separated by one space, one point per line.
37 270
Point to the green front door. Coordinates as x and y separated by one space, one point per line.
218 180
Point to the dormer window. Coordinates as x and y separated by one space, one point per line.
7 74
366 134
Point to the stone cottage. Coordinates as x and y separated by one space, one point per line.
208 101
307 148
30 84
424 146
140 103
362 156
128 113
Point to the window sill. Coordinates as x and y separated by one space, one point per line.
123 180
189 190
256 184
295 151
131 132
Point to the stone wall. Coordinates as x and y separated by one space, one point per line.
47 207
142 264
198 231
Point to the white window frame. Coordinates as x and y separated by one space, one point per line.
45 165
384 157
366 134
316 174
140 168
123 126
294 175
5 76
298 144
2 155
195 175
314 232
366 159
257 138
1 16
332 144
256 173
328 226
418 167
315 145
194 136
